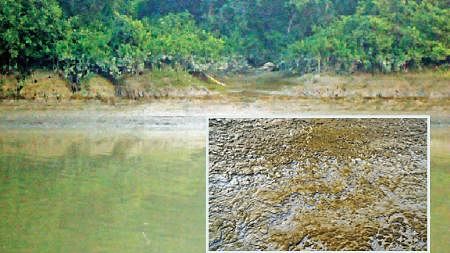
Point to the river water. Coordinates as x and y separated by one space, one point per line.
72 190
131 177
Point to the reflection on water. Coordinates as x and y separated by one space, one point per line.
78 191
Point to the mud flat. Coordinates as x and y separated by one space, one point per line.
317 184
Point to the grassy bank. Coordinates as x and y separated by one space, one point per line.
44 85
419 84
168 83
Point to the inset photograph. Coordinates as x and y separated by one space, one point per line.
317 184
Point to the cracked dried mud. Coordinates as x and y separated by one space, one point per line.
317 184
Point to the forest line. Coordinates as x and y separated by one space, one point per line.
115 38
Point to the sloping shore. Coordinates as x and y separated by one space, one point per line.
48 87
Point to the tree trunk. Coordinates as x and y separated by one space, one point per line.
291 22
211 9
318 65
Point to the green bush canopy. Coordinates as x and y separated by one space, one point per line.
117 37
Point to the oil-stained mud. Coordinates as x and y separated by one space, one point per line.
317 184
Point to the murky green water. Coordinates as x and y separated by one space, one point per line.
90 191
78 191
440 190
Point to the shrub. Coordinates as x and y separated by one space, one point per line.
29 30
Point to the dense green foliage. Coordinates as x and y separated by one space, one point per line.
117 37
28 32
177 39
381 36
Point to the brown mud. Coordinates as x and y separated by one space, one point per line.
317 184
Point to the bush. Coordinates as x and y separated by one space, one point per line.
398 38
126 45
29 30
178 41
130 46
84 50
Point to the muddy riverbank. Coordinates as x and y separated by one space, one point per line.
49 87
26 112
190 115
